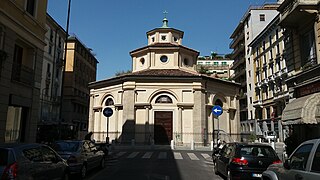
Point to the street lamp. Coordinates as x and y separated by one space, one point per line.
63 66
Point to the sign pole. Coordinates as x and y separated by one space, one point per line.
218 129
107 141
217 111
107 112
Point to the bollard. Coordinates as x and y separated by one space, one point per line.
211 145
273 145
172 144
192 145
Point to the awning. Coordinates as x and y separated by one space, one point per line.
303 110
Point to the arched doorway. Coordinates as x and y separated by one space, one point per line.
163 122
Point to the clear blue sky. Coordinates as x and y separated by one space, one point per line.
113 28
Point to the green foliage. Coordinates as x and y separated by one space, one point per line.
123 72
252 137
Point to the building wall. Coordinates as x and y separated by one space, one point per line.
50 94
80 70
20 80
191 109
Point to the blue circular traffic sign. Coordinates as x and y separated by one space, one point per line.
107 112
217 110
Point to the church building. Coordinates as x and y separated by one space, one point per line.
164 98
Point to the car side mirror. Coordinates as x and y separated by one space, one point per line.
287 164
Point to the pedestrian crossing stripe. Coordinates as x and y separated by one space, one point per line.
164 155
147 155
133 155
177 155
192 156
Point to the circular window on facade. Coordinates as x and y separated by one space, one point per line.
163 58
186 62
142 61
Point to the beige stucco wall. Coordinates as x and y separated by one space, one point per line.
189 119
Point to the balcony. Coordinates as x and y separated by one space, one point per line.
23 74
236 63
236 39
294 12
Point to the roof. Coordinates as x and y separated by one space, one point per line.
163 45
158 74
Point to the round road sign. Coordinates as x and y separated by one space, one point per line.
107 112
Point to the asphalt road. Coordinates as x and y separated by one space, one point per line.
157 165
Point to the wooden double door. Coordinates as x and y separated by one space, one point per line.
163 127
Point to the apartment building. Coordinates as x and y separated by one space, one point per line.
22 34
269 74
251 24
51 82
300 19
216 66
80 70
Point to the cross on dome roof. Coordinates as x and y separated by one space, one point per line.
165 20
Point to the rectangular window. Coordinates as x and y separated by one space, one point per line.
215 63
51 35
270 41
30 8
264 46
50 49
224 63
308 49
262 17
277 34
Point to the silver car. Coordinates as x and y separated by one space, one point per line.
304 163
81 155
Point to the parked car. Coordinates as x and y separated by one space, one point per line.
31 161
81 155
303 163
244 160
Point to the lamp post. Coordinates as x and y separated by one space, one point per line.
63 66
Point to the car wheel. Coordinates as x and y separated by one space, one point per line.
102 163
83 172
215 168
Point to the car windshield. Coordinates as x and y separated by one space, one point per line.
257 151
66 146
3 157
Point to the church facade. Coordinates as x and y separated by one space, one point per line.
163 99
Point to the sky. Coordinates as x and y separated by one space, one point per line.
113 28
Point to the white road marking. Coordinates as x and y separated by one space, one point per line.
177 155
147 155
132 155
206 156
192 156
121 153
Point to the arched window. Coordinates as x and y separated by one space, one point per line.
109 102
219 103
164 99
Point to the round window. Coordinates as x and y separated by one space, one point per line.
186 62
163 59
142 61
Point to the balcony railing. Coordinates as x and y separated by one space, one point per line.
22 74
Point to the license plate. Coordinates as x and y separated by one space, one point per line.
256 175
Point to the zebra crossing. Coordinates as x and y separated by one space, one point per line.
162 155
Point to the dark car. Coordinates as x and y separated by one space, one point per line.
31 161
81 155
244 160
